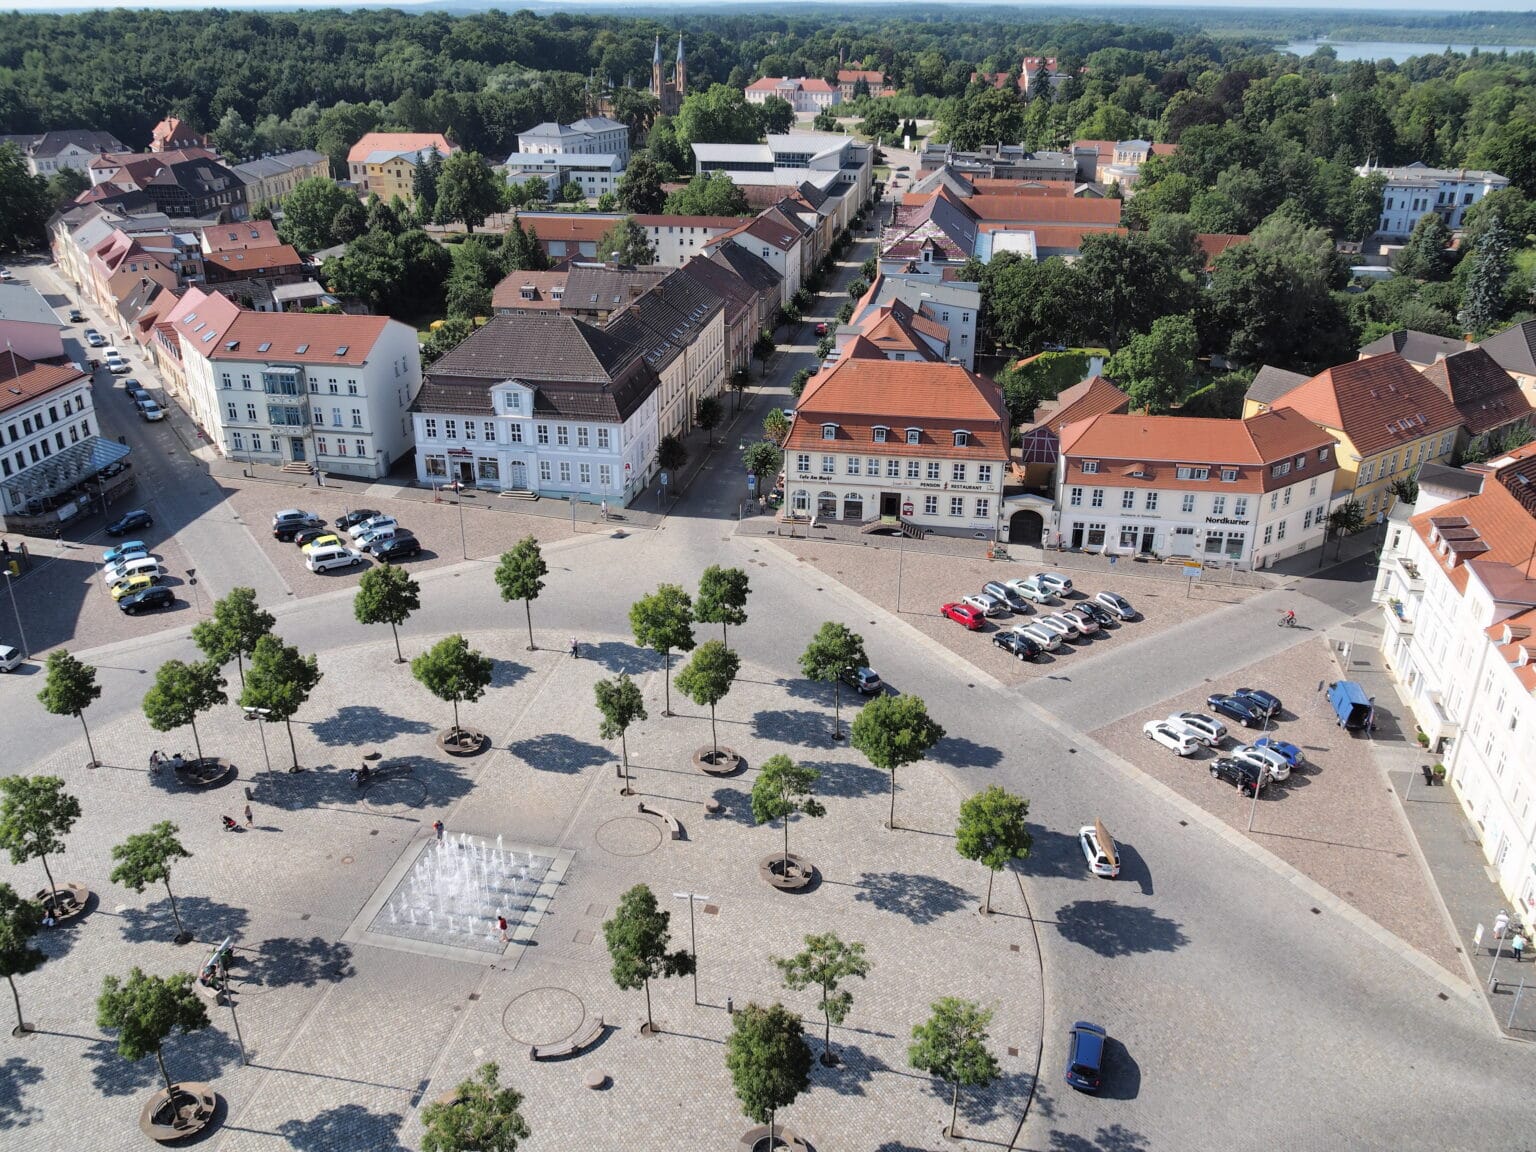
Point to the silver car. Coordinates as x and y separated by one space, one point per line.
1040 634
987 604
1207 729
1266 759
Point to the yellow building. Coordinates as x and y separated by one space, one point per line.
1387 418
384 163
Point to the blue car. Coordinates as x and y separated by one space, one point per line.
1267 702
129 521
1240 708
1292 754
1085 1056
127 547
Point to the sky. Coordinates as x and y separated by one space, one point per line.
1385 7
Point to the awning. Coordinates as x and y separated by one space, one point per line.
63 470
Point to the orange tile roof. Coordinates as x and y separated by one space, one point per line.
891 329
245 234
1094 396
990 186
508 293
22 381
1379 403
301 337
1053 236
396 142
1045 210
1486 396
244 260
1213 244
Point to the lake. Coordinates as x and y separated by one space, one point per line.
1392 49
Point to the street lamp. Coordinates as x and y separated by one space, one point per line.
10 586
1258 780
693 939
229 998
257 714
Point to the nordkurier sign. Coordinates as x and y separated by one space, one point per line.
1225 520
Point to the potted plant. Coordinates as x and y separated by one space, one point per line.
1439 771
1423 738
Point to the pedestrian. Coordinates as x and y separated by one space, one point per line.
501 923
5 547
1500 924
575 649
437 827
249 819
605 511
1518 946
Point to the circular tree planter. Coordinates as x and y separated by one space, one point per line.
72 898
462 741
209 772
721 762
756 1140
184 1111
799 875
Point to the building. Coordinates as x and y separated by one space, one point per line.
781 244
668 93
806 95
187 182
1457 589
1033 71
384 163
232 237
1514 350
590 136
1269 384
1238 492
1415 189
173 135
285 387
593 174
523 293
270 178
999 162
678 239
1489 399
545 404
566 236
1040 439
46 153
1421 349
758 275
945 312
279 263
1105 161
919 443
840 166
946 229
741 307
597 293
848 79
680 328
28 327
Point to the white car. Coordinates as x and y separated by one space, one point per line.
6 275
358 531
1061 624
118 366
1265 758
94 338
1117 604
9 657
1176 739
1206 729
1041 635
986 604
128 566
1054 582
334 556
1032 590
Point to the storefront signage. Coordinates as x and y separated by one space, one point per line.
1224 520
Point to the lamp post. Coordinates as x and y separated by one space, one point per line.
257 715
10 586
229 998
693 939
1258 781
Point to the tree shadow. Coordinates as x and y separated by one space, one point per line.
855 1068
735 806
815 691
557 752
16 1075
848 779
1054 854
1112 929
208 920
921 899
284 961
330 785
1002 1097
958 752
618 657
1113 1138
198 1056
357 724
345 1126
793 726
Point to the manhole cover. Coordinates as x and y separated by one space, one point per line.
628 836
543 1016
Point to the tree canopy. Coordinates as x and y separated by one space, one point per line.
893 731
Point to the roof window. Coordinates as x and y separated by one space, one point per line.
914 435
829 431
962 438
342 350
264 345
301 349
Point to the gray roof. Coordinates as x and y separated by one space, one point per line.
267 166
944 176
1443 477
1415 347
757 272
552 130
919 290
596 124
1271 383
599 288
22 304
46 144
1514 349
1422 174
722 281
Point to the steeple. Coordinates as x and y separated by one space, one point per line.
656 73
682 70
656 55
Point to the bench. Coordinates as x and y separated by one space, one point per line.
568 1047
671 821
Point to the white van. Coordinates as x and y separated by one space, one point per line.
131 566
332 556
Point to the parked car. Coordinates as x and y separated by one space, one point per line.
400 545
377 535
1207 729
1237 708
864 681
1093 611
333 556
368 525
132 584
1085 1056
304 535
6 275
356 516
1175 737
1085 624
1244 777
324 540
987 605
112 469
76 316
1001 591
1117 604
1268 759
1058 584
1099 850
130 566
9 657
1032 590
1049 641
1016 643
964 614
150 410
1060 624
126 548
118 366
94 338
135 390
149 600
130 522
1268 702
1292 754
292 520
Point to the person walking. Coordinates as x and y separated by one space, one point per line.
501 923
1500 926
249 818
437 827
1517 945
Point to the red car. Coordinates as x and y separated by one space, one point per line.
964 614
821 329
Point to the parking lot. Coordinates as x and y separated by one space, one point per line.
1335 819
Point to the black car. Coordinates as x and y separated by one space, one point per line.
1095 612
1017 644
130 522
135 390
1244 777
396 547
304 535
1239 708
76 316
113 469
1085 1056
356 516
1266 702
147 600
1000 591
864 681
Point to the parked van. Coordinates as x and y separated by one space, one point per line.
1099 850
332 556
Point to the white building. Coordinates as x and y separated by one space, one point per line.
51 453
591 136
678 239
794 157
1415 189
779 242
28 327
1238 492
806 95
1457 587
954 304
49 152
594 174
921 443
284 387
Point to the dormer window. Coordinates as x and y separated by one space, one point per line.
829 431
1090 466
914 435
962 438
881 432
1229 475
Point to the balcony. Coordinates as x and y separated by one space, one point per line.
1398 617
1407 573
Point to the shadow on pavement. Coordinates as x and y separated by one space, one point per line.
16 1075
345 1126
357 724
286 960
1112 929
207 920
920 899
556 752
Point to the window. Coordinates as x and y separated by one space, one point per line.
1269 532
802 462
933 469
582 437
1240 506
957 506
930 505
1274 501
1097 499
854 465
430 428
605 475
322 446
1151 502
957 472
489 427
1390 466
1322 454
351 389
1075 498
236 439
1280 530
256 442
336 420
1229 475
584 474
341 446
544 470
983 508
1286 498
543 433
984 473
1300 462
1367 470
829 464
1190 472
1445 443
912 469
1281 469
1306 521
469 430
450 428
228 383
1128 499
565 471
234 413
562 436
1090 466
829 431
361 446
893 469
602 439
880 434
1312 487
914 435
514 401
1188 502
872 466
245 381
1095 535
962 439
250 413
515 433
333 388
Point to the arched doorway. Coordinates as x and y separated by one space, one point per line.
853 507
1026 527
826 505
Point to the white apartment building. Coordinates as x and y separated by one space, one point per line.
777 242
678 239
788 159
1415 189
1457 587
594 174
47 153
590 136
50 443
805 94
1236 492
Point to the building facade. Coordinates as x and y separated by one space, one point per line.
589 136
270 178
49 152
1415 189
806 95
384 163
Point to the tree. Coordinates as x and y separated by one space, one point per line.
309 212
1345 520
467 191
825 121
763 347
350 222
1128 281
424 177
626 243
520 250
637 939
387 595
776 115
1427 255
621 703
231 633
893 731
145 858
952 1045
708 413
520 576
639 189
769 1060
280 682
993 831
1156 367
481 1116
833 651
452 670
985 115
798 382
708 194
717 115
444 338
1482 305
823 964
671 454
783 788
179 693
1405 488
19 921
776 429
35 816
145 1010
24 204
477 266
722 598
663 622
70 689
707 679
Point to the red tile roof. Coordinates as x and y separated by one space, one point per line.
1094 396
509 292
1044 210
1213 244
1486 396
397 142
853 75
302 337
246 261
245 234
22 381
1379 403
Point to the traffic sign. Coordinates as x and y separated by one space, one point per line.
906 508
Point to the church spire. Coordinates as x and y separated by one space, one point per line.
679 47
656 55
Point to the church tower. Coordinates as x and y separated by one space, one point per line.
682 72
656 77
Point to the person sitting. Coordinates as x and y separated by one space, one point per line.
229 825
